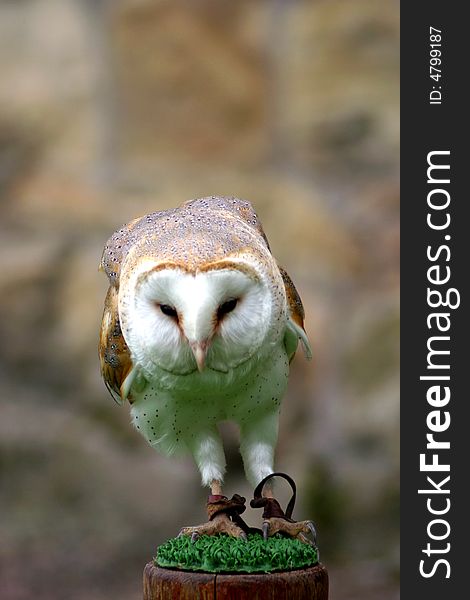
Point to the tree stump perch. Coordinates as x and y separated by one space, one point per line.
301 584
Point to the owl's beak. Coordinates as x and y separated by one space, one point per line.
200 350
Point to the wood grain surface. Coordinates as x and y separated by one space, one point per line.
169 584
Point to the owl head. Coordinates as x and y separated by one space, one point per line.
216 317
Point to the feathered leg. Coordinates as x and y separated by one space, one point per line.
209 455
257 443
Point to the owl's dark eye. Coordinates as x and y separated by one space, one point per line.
169 311
226 307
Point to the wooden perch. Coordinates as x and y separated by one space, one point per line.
169 584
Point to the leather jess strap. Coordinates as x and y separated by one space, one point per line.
271 506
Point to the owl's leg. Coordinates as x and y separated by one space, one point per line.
257 443
209 455
208 452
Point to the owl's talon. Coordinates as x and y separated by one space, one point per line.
313 531
243 536
303 538
195 536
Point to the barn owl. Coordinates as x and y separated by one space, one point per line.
199 326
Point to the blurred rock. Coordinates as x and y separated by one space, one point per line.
117 109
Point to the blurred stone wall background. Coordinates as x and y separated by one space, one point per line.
112 109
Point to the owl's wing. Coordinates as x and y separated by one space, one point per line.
115 360
295 324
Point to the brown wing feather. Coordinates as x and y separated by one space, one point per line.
296 317
114 354
296 309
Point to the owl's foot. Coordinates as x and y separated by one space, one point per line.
224 517
219 524
275 520
293 529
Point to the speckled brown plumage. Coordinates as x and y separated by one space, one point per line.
115 360
197 233
294 302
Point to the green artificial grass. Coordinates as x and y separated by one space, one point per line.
222 553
